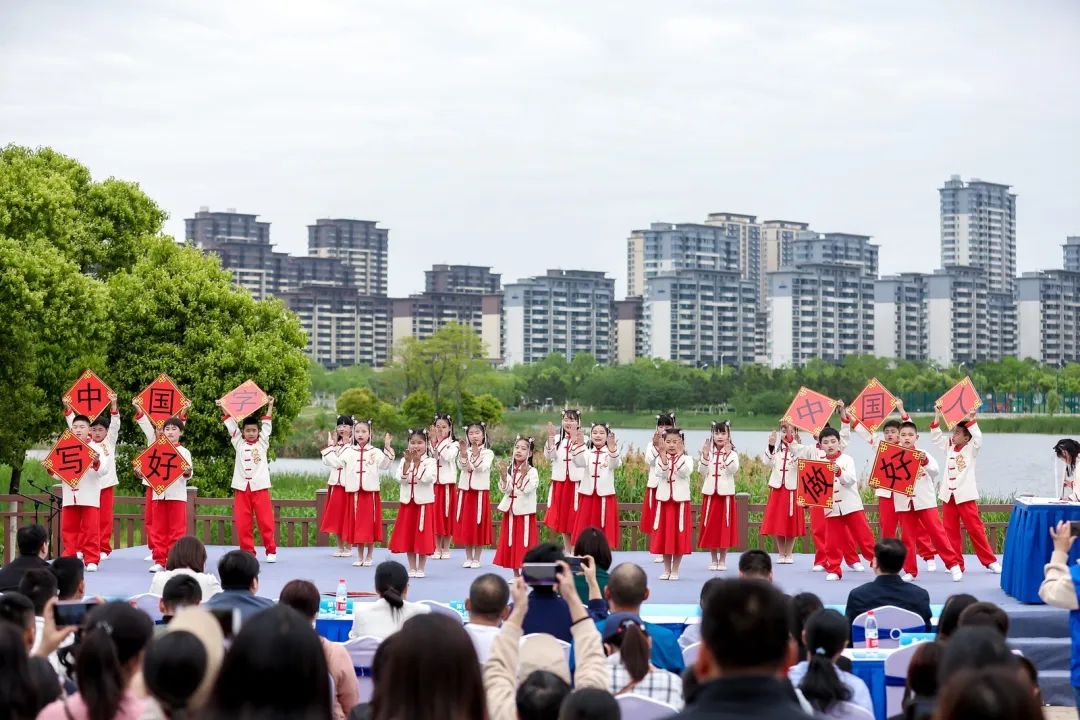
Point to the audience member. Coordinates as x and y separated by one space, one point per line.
18 694
692 633
239 572
627 590
974 648
205 627
33 544
549 611
173 668
541 695
1059 589
1032 674
590 704
488 606
69 572
187 557
746 648
949 619
593 542
921 685
40 586
388 614
985 614
628 646
274 670
303 596
180 592
992 693
826 687
17 610
755 565
888 588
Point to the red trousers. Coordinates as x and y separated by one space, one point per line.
170 521
839 532
890 519
254 503
953 514
148 518
817 531
105 519
919 523
80 531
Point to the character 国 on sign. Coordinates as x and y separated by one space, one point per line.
161 400
873 405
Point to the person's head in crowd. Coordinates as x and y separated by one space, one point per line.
593 542
302 596
985 614
489 600
17 610
45 682
991 693
625 633
540 695
40 586
802 606
188 552
173 669
392 583
275 669
202 624
180 591
921 686
590 704
744 631
706 588
108 655
239 570
825 636
436 648
755 565
69 573
627 588
32 541
889 554
18 697
974 648
1032 673
829 440
544 553
949 619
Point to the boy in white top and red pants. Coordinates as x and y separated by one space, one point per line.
251 482
169 508
80 528
105 435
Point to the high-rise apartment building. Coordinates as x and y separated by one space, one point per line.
357 243
774 235
978 229
957 316
243 245
629 337
747 230
1071 249
469 295
1049 316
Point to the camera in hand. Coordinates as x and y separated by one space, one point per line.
69 613
540 574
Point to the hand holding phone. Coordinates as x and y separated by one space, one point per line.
72 612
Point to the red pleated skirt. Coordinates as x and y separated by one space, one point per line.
668 539
408 535
333 519
443 509
717 522
467 529
594 512
648 511
783 515
560 513
510 551
367 525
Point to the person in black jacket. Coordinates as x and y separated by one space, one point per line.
888 588
33 544
745 653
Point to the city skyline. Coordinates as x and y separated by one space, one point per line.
469 131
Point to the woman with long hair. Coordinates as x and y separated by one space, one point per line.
187 557
825 686
628 646
388 614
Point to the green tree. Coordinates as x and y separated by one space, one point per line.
418 410
490 409
442 364
360 403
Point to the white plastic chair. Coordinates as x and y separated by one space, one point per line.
443 609
690 653
896 667
846 710
889 618
362 651
149 604
642 707
562 643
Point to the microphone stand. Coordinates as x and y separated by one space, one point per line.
55 503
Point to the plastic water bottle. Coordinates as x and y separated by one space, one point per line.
871 630
341 603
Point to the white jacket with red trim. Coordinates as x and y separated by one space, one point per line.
562 456
418 484
925 497
674 481
718 471
445 454
251 470
519 493
958 479
107 471
475 469
88 493
599 477
361 468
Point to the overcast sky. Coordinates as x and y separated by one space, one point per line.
529 135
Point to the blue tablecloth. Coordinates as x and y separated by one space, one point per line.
1028 545
869 666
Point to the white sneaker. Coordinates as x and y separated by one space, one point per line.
658 558
271 557
420 573
156 568
858 567
476 563
994 567
92 567
412 573
712 566
467 564
79 555
665 575
149 558
907 577
673 576
104 556
931 565
957 573
832 576
721 566
818 568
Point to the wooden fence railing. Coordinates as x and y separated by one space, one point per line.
297 521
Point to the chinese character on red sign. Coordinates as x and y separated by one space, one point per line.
810 410
956 404
69 459
244 400
816 483
161 400
89 396
160 465
896 468
873 405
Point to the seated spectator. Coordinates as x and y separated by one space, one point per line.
921 686
180 592
173 668
628 646
17 610
488 606
949 619
40 587
108 655
187 557
746 647
888 588
590 704
974 648
239 572
1059 589
70 573
755 565
378 663
503 671
540 696
985 614
824 685
303 597
1032 673
386 615
274 669
549 611
437 649
33 544
205 627
593 542
627 590
992 693
18 693
692 633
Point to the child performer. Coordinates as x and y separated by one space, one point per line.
362 466
472 517
718 464
80 527
150 433
170 507
565 475
817 514
596 504
251 482
671 520
336 516
104 434
959 493
919 514
784 518
654 450
444 449
414 531
1067 451
518 484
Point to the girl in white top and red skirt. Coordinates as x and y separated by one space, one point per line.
672 522
597 504
472 517
518 485
333 519
444 449
718 464
655 448
414 531
784 518
565 475
362 467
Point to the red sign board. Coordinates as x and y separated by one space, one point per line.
160 464
896 468
89 395
956 404
69 459
161 400
873 405
810 410
816 478
244 400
